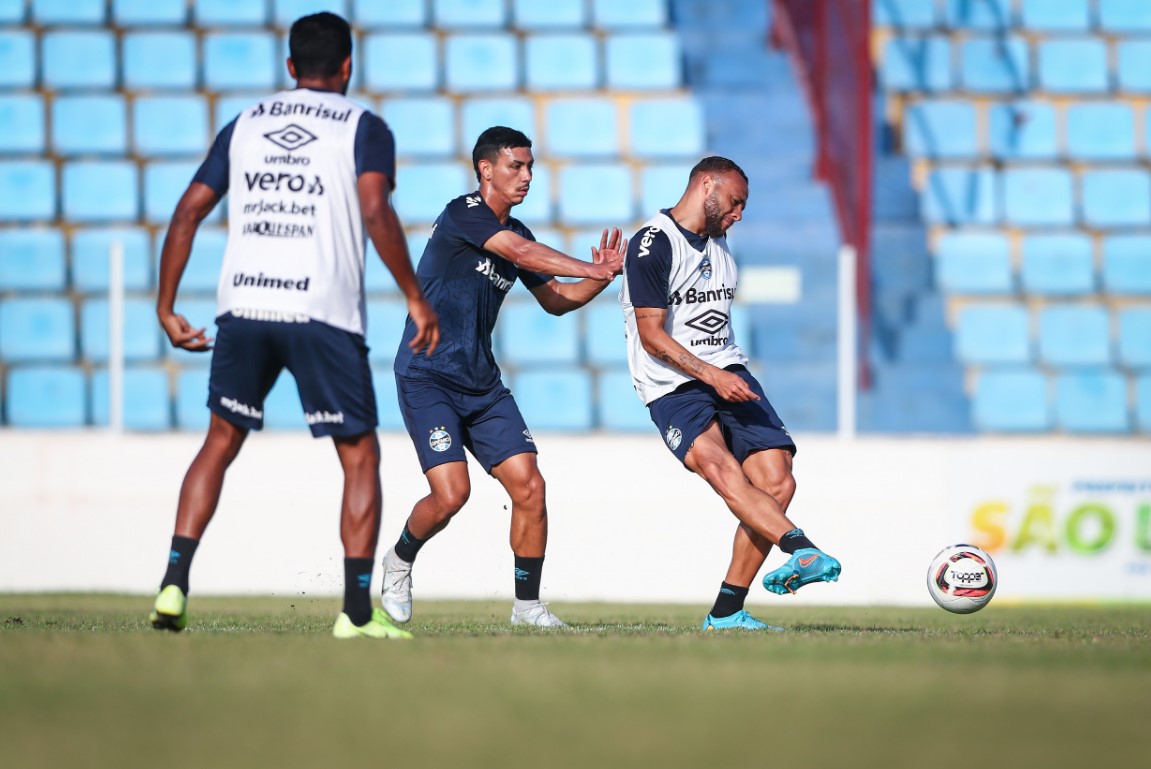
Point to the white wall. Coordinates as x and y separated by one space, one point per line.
91 511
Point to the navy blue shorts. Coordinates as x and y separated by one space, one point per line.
683 414
442 422
330 366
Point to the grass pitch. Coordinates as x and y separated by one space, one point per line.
259 682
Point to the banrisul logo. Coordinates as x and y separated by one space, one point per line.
291 137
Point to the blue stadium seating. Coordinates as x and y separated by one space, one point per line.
611 14
90 253
22 116
1100 131
148 13
538 207
917 64
170 125
469 14
100 191
1064 16
386 318
90 124
596 194
155 60
68 11
959 196
202 274
30 187
943 128
529 336
1135 337
423 125
1127 264
146 404
557 62
423 190
32 260
1091 401
1116 198
37 330
164 183
46 397
1074 335
401 62
17 58
1124 16
1058 264
78 59
993 334
904 14
1038 196
1073 65
228 107
369 14
481 62
617 405
478 114
192 398
992 15
1012 400
12 11
387 401
284 12
640 61
1143 402
555 398
648 128
141 338
974 263
660 187
240 60
1023 130
553 15
604 343
995 65
582 127
1133 65
221 13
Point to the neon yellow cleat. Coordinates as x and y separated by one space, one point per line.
379 626
170 611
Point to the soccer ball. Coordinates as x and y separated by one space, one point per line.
962 578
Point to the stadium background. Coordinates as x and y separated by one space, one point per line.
986 160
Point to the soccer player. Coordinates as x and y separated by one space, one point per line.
679 283
309 173
456 399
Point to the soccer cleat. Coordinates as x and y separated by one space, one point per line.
536 615
397 590
741 620
379 626
805 566
170 611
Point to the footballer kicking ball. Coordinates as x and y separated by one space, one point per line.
962 578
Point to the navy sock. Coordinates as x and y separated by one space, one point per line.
357 590
528 573
179 563
729 601
794 540
408 545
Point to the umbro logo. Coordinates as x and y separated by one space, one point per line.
710 322
291 137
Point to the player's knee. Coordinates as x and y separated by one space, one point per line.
449 502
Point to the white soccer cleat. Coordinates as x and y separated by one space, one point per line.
397 591
536 615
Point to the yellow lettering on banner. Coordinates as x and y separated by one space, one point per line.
1038 529
987 520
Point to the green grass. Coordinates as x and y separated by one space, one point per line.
258 682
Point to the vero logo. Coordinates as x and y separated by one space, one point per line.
291 137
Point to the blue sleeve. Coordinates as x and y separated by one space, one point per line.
648 268
214 170
531 280
476 222
375 147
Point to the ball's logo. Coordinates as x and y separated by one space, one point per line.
673 438
439 440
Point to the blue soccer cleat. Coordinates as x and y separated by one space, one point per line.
805 566
741 620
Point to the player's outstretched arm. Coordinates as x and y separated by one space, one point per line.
194 206
660 344
558 298
536 257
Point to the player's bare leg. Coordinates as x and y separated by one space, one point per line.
362 504
769 471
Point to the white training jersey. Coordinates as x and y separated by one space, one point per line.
694 279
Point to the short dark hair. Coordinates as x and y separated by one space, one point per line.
493 140
715 165
318 44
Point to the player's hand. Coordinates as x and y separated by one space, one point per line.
427 326
732 387
181 334
610 253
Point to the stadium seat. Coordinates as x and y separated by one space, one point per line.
1073 65
903 14
1116 198
164 184
423 190
529 336
30 190
597 194
1038 196
553 15
370 14
284 12
141 338
202 274
943 128
481 62
582 127
604 343
648 128
401 62
170 125
612 14
973 263
387 401
1074 335
37 330
22 116
995 65
618 408
660 187
1064 16
538 207
559 62
1135 337
478 114
992 15
1092 401
192 398
917 64
1058 264
1127 264
46 397
643 61
240 60
959 196
1143 403
1133 65
100 191
149 13
224 13
1023 130
386 318
78 59
227 108
1124 16
32 260
555 398
90 255
993 334
423 125
68 12
146 403
94 124
158 60
12 11
469 14
17 58
1011 400
1100 131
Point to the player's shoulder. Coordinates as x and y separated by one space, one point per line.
650 240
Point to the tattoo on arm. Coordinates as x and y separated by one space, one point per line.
642 316
690 364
